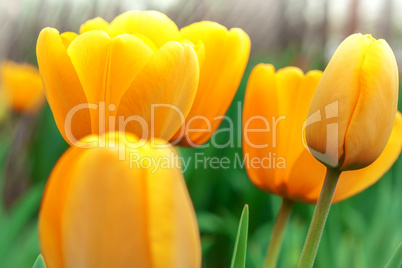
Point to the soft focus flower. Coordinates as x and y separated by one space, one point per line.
226 55
359 88
275 109
100 209
120 70
21 87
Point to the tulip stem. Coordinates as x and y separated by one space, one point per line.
319 218
277 233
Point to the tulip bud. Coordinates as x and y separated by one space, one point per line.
353 110
104 208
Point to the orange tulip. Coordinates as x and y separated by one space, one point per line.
21 87
110 76
225 58
101 210
275 108
360 88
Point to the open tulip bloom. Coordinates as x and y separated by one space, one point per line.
275 110
143 75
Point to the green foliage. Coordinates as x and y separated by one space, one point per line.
240 249
39 263
396 259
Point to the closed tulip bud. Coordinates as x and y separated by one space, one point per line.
103 210
21 87
353 110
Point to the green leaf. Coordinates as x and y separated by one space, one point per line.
239 253
40 262
396 259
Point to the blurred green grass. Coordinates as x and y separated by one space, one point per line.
363 231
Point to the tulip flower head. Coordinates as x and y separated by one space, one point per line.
21 87
359 90
130 75
141 74
275 110
99 210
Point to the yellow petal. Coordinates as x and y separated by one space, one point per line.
152 24
53 207
94 24
257 117
67 38
226 55
353 182
169 80
106 67
173 231
305 179
292 106
104 218
21 87
62 86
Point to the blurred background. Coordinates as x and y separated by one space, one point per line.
362 231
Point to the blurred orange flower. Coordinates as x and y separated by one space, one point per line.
361 79
21 87
100 209
275 109
119 70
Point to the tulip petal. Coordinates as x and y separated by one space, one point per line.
53 207
67 38
305 179
375 108
256 143
117 60
169 80
171 218
62 86
291 103
94 24
226 55
355 181
98 233
152 24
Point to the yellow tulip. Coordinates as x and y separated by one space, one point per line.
101 210
21 87
110 75
275 109
358 96
222 67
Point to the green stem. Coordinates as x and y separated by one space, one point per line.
277 234
319 218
